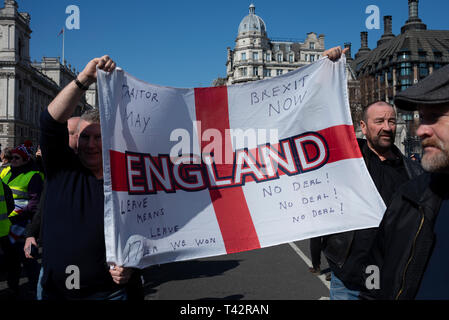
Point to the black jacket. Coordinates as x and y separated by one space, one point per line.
8 198
347 251
405 238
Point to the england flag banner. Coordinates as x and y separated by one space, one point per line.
192 173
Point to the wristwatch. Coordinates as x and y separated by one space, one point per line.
80 85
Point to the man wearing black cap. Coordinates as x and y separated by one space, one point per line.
389 169
412 245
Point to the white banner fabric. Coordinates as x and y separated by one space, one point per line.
192 173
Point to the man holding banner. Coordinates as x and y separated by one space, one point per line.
74 256
388 168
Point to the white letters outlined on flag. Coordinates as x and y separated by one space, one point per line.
191 173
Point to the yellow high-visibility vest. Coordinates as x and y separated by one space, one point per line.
5 224
19 188
4 172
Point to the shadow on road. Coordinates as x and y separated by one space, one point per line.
157 275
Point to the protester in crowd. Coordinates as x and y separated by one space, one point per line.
412 245
6 158
316 247
6 207
74 205
389 169
38 159
25 182
315 252
72 127
33 230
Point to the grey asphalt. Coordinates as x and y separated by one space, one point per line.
274 273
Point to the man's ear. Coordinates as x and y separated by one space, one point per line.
363 126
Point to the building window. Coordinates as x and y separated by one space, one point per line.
20 48
291 58
312 58
268 57
255 71
407 117
405 83
406 69
243 56
244 72
287 47
255 56
306 57
423 70
267 72
279 72
312 46
279 57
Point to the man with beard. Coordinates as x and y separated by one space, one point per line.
346 252
412 245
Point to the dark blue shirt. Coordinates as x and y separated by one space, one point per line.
73 229
434 285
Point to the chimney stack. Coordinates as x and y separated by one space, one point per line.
348 53
388 31
413 22
413 9
388 25
363 40
363 45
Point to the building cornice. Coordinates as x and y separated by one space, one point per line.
18 19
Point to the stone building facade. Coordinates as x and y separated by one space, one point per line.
256 57
398 62
26 88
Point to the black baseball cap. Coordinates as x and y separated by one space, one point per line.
432 90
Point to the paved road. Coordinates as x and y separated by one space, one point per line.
275 273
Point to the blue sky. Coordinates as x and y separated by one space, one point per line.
183 43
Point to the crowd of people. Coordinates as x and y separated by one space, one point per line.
53 198
22 178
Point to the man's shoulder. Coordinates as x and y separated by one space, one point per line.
408 196
404 206
414 188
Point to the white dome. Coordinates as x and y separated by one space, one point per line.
252 22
